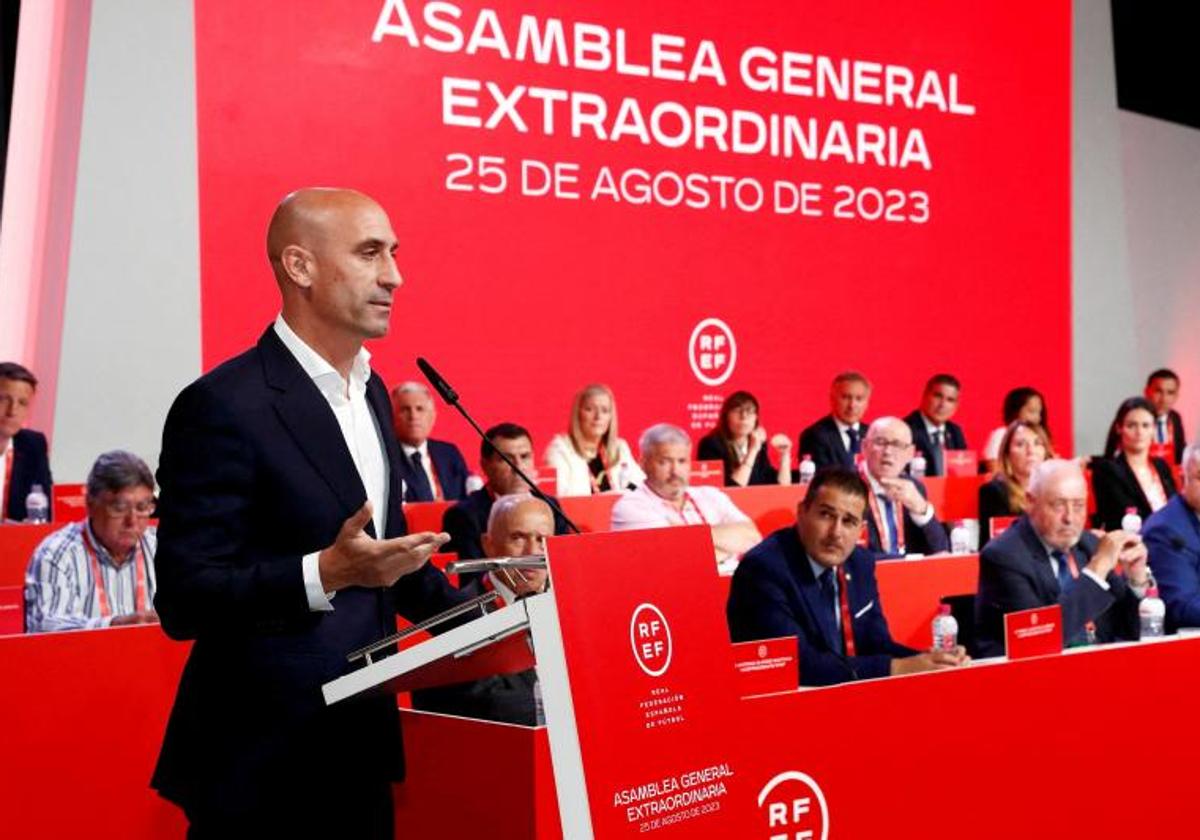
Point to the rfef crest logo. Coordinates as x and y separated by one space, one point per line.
650 636
712 351
794 807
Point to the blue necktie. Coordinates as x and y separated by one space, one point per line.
938 468
1065 581
1162 429
829 596
419 489
889 513
855 447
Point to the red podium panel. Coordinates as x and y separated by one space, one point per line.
17 543
911 591
12 610
954 496
69 501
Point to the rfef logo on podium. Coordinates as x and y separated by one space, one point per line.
650 636
794 807
712 351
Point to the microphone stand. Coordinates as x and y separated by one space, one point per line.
450 397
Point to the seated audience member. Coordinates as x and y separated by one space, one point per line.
98 572
836 440
1129 476
23 457
1026 404
1172 537
466 521
811 581
591 458
432 470
1162 390
1024 446
900 520
932 429
1047 558
740 443
664 498
517 525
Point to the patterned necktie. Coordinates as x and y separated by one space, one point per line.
829 596
1065 581
889 513
419 489
855 446
937 453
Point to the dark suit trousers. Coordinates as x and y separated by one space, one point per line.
354 811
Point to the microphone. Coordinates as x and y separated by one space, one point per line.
439 384
451 397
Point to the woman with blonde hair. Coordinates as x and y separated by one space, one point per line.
592 458
1023 447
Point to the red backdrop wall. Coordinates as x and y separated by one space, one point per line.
519 299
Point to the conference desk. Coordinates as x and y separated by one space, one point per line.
963 753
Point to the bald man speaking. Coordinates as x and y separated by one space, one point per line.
282 547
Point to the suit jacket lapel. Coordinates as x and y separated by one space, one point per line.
810 593
1043 575
308 418
377 399
1126 473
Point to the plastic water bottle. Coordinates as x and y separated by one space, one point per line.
1151 612
960 538
945 629
807 469
916 467
37 506
1131 522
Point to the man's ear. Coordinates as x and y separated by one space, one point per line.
298 264
486 541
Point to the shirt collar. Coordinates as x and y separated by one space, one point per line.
930 426
1049 548
506 594
843 427
323 374
817 568
409 450
102 553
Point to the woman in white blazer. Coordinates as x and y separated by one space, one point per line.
591 458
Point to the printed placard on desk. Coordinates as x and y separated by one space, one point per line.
707 473
767 666
961 462
1036 632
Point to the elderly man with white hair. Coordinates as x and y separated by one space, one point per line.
664 499
1047 558
900 520
1172 537
432 470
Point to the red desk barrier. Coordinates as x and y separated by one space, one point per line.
912 589
69 502
955 496
12 610
17 543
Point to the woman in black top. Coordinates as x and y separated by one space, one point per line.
740 443
1023 447
1130 477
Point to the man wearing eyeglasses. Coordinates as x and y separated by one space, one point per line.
98 572
1047 558
900 520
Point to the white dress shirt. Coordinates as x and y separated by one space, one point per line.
844 431
898 511
426 464
360 431
3 483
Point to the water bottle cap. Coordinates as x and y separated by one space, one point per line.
37 488
944 609
1152 592
1130 510
806 458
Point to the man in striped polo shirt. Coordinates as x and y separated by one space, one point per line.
98 572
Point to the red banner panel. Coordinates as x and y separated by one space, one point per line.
677 199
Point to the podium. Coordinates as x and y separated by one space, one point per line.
647 730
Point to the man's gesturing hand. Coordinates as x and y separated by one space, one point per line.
357 559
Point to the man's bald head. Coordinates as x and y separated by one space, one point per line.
303 219
332 251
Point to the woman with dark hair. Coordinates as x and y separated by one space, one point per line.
1023 403
1024 446
1130 477
740 443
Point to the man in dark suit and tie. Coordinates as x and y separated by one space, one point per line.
1162 390
1172 536
932 429
811 581
900 519
282 548
1047 558
836 440
432 470
24 460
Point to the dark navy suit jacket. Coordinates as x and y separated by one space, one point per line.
450 467
928 539
1015 574
30 466
774 593
1172 536
254 474
953 439
823 442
